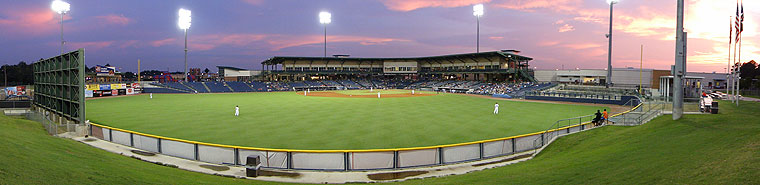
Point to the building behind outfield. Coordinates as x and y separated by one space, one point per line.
499 66
625 77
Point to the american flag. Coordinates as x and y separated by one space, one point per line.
738 22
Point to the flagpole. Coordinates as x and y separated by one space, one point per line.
738 72
730 41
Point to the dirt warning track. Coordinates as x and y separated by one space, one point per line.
339 95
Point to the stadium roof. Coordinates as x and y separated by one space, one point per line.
233 68
502 53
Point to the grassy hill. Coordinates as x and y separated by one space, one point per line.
699 149
29 156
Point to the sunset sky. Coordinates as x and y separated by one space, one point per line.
242 33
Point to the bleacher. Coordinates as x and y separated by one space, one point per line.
198 86
313 83
217 87
239 87
350 84
331 83
297 84
258 86
177 85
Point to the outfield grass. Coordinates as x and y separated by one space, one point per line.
292 121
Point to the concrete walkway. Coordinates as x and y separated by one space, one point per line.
301 176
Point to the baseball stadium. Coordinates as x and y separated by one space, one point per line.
281 115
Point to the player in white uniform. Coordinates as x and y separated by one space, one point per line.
412 91
151 95
237 110
496 108
378 94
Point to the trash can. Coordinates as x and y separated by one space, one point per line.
714 108
252 165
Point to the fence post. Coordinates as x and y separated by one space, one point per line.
197 156
480 145
395 159
237 156
159 145
440 155
289 160
345 161
514 146
131 140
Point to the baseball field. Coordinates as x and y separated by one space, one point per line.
340 120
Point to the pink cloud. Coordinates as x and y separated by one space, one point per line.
89 45
531 5
582 46
159 43
30 22
495 38
409 5
114 19
566 28
281 42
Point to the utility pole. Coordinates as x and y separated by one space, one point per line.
680 64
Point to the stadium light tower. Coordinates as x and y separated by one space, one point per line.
609 50
477 10
325 18
61 7
184 23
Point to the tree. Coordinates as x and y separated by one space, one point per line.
206 71
748 71
129 75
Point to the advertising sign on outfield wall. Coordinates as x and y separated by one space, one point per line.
130 91
136 86
88 94
105 87
93 87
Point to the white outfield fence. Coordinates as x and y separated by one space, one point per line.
329 160
341 160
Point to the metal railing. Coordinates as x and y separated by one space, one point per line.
51 126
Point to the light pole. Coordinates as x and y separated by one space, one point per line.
477 10
680 63
61 7
325 18
184 23
609 50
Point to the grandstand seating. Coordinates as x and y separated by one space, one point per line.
217 87
297 84
350 84
198 86
313 83
239 87
331 83
177 85
258 86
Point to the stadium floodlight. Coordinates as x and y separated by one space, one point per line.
184 23
477 10
609 50
325 18
184 19
61 8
